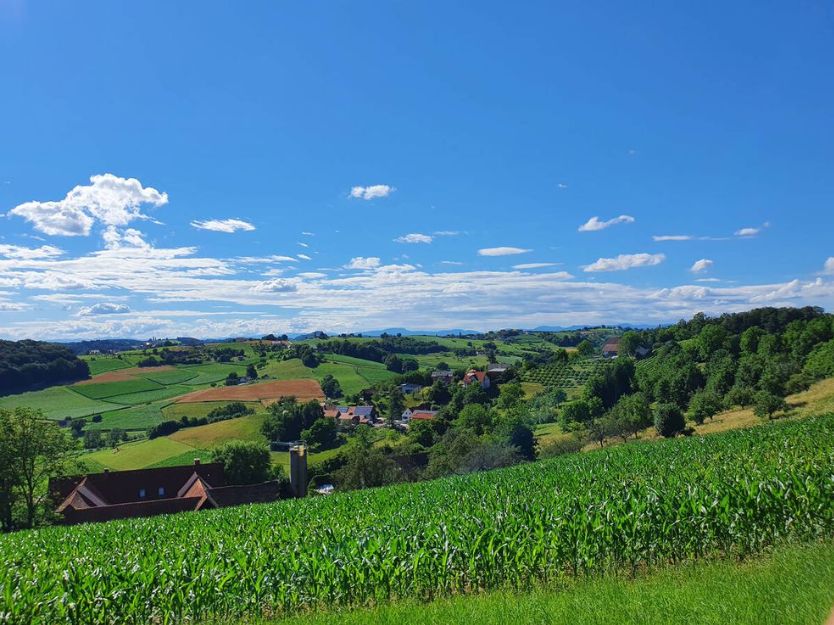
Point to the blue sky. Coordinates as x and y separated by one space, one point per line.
215 169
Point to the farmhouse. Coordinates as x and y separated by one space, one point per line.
356 415
410 389
148 492
496 371
611 349
476 377
423 415
444 375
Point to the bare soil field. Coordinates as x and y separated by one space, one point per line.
123 375
266 392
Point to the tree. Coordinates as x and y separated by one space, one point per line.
116 436
287 419
766 404
93 439
631 414
576 412
233 379
244 462
585 348
421 432
668 419
510 395
32 449
704 405
630 342
393 363
474 417
322 434
739 396
439 393
520 436
442 366
711 338
251 372
331 387
396 404
365 465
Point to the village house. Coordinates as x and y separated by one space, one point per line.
497 371
476 377
611 349
423 415
148 492
409 388
353 415
444 375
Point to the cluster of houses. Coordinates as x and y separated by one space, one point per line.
353 415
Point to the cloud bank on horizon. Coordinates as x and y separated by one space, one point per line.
127 286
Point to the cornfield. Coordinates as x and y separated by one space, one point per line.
613 510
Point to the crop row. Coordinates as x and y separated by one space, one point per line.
613 510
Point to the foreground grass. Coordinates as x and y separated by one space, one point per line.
793 585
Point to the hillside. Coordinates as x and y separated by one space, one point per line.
612 511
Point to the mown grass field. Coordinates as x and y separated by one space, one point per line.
138 455
793 585
58 402
103 364
613 512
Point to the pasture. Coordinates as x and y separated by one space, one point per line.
303 390
58 402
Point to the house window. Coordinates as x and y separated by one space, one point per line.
141 493
161 491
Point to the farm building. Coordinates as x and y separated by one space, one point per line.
423 415
496 371
611 349
410 389
476 377
444 375
355 415
148 492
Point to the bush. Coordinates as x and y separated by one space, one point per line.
96 418
767 404
668 420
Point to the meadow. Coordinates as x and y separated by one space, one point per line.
618 511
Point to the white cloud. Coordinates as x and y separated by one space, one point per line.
304 257
502 251
594 223
277 285
29 253
450 262
312 275
109 199
115 239
672 237
308 234
625 261
534 265
360 262
747 232
562 185
104 308
701 265
829 266
372 192
303 244
414 237
228 226
447 233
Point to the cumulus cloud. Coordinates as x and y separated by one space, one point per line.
414 237
625 261
223 225
361 262
104 308
29 253
747 232
594 223
108 199
502 251
829 266
701 265
371 192
277 285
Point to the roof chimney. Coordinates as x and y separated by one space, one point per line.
196 461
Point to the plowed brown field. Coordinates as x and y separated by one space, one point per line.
266 392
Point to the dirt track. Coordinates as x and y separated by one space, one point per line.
303 390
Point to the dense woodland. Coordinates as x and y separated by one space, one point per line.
26 365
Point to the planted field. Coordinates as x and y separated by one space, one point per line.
214 372
175 411
112 389
145 397
139 417
571 375
121 375
209 436
173 376
303 390
58 402
618 510
103 364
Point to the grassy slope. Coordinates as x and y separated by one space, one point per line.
138 455
58 402
793 585
103 364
